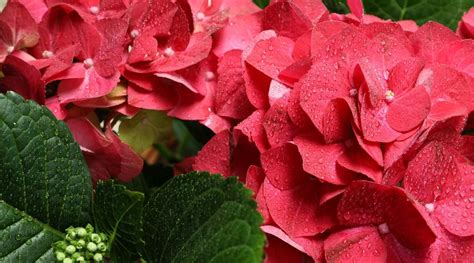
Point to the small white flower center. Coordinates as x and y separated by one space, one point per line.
88 62
129 48
47 54
200 16
10 49
134 33
389 96
352 92
94 10
430 207
169 52
383 229
210 76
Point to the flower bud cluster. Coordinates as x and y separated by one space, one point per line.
81 245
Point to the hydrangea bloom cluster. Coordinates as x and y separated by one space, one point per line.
119 56
81 245
356 144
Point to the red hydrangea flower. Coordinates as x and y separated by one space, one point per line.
355 113
466 25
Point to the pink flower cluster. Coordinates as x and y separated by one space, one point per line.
354 146
122 56
348 128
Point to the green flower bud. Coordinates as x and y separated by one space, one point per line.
67 260
60 245
70 249
60 256
95 238
80 243
82 232
102 246
103 237
92 247
89 228
98 257
76 255
80 259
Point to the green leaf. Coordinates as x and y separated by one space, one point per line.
261 3
336 6
118 213
24 239
42 170
145 129
187 144
200 217
447 12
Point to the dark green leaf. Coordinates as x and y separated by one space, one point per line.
187 144
24 239
336 6
261 3
200 217
447 12
118 213
42 170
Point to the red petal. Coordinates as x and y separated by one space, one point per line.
314 10
144 48
396 252
296 113
231 98
22 78
355 159
319 160
271 56
283 167
409 110
404 75
373 120
254 178
286 19
356 8
92 85
355 244
296 210
456 213
238 34
278 251
456 249
446 85
163 97
197 50
430 39
252 128
277 123
131 164
256 86
466 25
325 82
215 156
369 203
21 24
458 55
310 246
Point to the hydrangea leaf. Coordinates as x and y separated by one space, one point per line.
447 12
42 170
200 217
145 129
118 213
24 239
261 3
